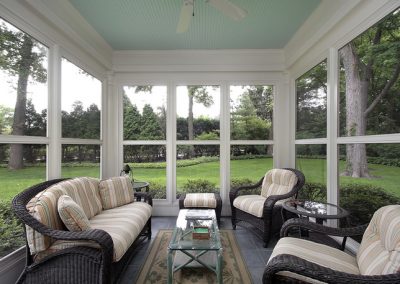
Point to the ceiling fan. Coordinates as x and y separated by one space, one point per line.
226 7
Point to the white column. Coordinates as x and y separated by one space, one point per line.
282 123
332 127
225 149
111 129
171 143
54 114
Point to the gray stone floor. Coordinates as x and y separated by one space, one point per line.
254 254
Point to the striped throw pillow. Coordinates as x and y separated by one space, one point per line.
115 192
72 214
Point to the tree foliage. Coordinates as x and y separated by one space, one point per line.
22 58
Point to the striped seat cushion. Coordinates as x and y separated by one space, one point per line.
116 191
278 182
379 252
43 207
316 253
72 214
206 200
123 223
252 204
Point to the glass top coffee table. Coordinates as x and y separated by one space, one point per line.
195 242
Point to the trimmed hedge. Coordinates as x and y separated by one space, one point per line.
11 230
360 200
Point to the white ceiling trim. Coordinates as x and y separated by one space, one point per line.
356 21
68 21
199 60
317 26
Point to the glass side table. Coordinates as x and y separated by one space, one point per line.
139 185
184 250
319 211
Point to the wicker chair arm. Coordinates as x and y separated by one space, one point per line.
305 224
285 262
99 236
145 196
234 192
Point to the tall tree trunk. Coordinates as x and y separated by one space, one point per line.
270 148
190 118
356 105
190 122
26 61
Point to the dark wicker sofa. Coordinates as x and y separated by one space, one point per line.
309 261
79 264
271 220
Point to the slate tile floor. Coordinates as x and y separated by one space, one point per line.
253 252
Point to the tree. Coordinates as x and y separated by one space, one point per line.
311 91
245 122
20 57
132 120
371 65
6 118
262 99
150 127
200 95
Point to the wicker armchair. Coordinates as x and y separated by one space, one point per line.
263 211
302 261
79 264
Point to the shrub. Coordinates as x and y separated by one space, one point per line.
360 200
11 231
363 200
157 190
313 191
237 182
199 186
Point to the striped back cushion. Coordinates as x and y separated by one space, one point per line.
379 252
72 214
116 191
278 182
43 207
85 192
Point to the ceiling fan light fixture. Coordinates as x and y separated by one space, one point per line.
228 8
224 6
186 16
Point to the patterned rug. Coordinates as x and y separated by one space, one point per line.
154 270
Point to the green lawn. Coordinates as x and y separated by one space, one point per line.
386 177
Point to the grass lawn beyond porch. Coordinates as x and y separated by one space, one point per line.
386 177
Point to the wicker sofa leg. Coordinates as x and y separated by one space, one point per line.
148 225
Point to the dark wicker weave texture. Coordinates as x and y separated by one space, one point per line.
285 262
271 220
73 265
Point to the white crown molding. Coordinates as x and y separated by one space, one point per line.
198 60
67 20
351 18
327 15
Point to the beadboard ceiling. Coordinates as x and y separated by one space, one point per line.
151 24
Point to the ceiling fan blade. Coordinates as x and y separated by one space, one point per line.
185 16
228 8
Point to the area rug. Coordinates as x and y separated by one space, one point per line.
154 270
